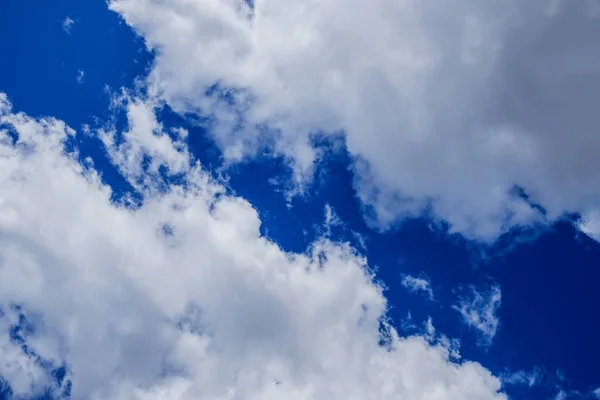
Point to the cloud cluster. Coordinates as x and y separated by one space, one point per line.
451 107
180 297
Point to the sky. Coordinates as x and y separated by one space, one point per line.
243 200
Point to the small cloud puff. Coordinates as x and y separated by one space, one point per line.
79 77
67 24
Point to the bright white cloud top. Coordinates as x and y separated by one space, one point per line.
181 298
444 104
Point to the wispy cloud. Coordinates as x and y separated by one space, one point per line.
331 218
67 24
418 284
522 377
478 310
79 77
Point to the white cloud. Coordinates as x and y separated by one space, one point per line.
445 105
79 76
145 137
67 24
331 220
361 240
181 298
25 376
521 377
418 284
479 309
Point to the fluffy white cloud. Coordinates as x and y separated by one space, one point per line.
445 105
418 284
478 310
181 298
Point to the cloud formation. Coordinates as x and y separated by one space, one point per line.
180 297
478 309
67 24
418 284
450 107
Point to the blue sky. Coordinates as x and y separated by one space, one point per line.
441 247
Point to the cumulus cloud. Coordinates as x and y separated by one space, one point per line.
478 309
451 107
418 284
179 297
